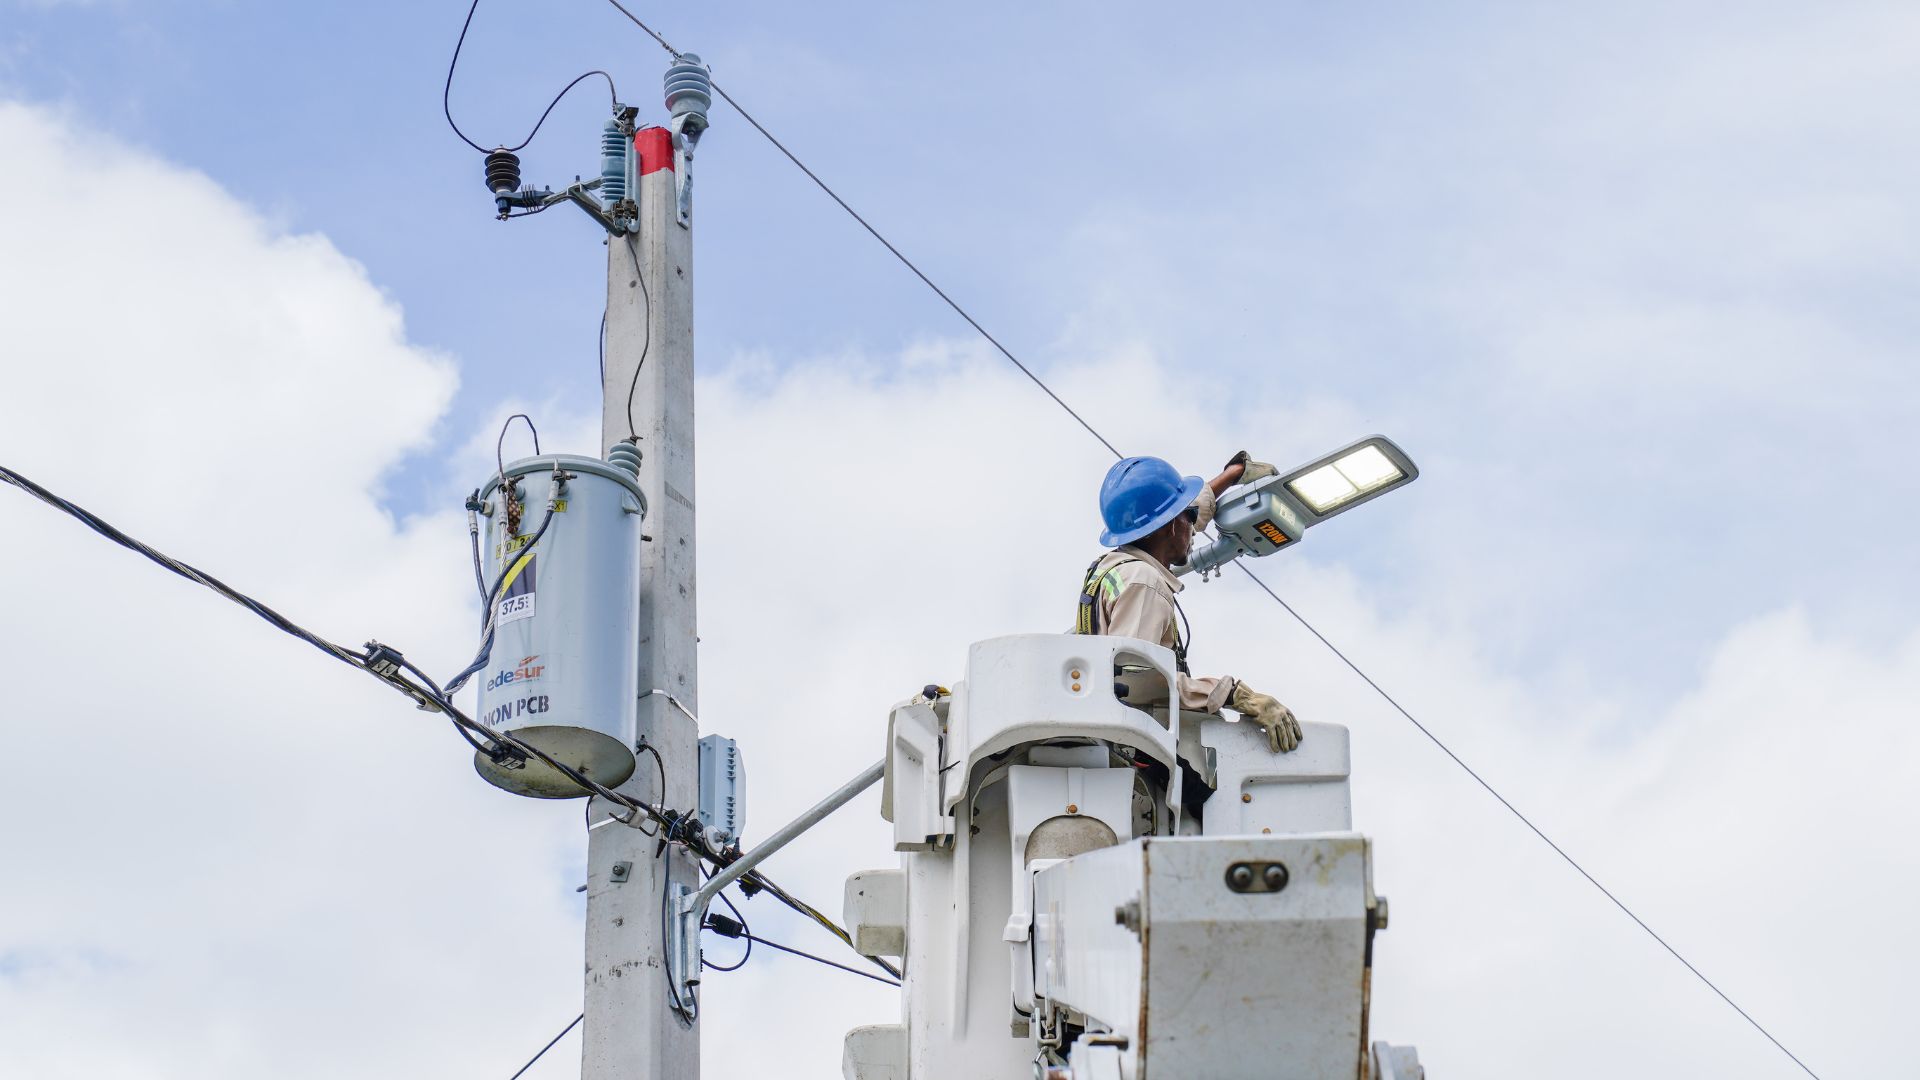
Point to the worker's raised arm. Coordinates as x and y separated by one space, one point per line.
1240 469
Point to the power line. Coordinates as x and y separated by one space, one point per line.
1528 822
1264 587
378 660
818 959
191 573
446 93
737 928
884 242
392 667
549 1046
185 570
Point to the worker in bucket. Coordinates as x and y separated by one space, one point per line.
1151 513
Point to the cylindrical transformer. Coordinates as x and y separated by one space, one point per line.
563 673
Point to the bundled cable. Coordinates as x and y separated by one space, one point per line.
392 667
191 573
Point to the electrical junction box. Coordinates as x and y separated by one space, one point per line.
723 789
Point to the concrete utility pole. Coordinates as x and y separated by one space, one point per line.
633 1030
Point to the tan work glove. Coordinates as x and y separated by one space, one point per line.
1251 470
1283 731
1205 504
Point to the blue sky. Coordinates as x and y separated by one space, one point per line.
1481 228
1633 284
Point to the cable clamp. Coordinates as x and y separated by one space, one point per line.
383 660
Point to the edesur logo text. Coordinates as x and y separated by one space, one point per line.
528 668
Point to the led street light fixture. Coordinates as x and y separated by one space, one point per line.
1330 487
1261 518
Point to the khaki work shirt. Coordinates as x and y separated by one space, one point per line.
1142 607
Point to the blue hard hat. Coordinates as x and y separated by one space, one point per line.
1139 495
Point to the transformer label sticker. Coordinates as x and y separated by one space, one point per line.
517 601
507 547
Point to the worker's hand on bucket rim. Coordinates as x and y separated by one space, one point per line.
1283 731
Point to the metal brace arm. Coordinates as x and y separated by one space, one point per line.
581 196
690 907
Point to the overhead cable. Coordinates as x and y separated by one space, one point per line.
819 959
549 1046
737 928
197 576
884 242
393 668
446 93
1264 587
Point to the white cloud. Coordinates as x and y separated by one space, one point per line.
1497 947
1629 283
228 857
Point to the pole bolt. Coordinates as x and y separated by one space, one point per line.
1257 877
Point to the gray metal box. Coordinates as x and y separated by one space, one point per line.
723 787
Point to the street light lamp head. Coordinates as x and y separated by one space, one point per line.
1261 518
1359 471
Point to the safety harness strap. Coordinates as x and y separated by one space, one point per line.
1087 617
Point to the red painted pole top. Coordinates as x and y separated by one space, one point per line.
655 147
